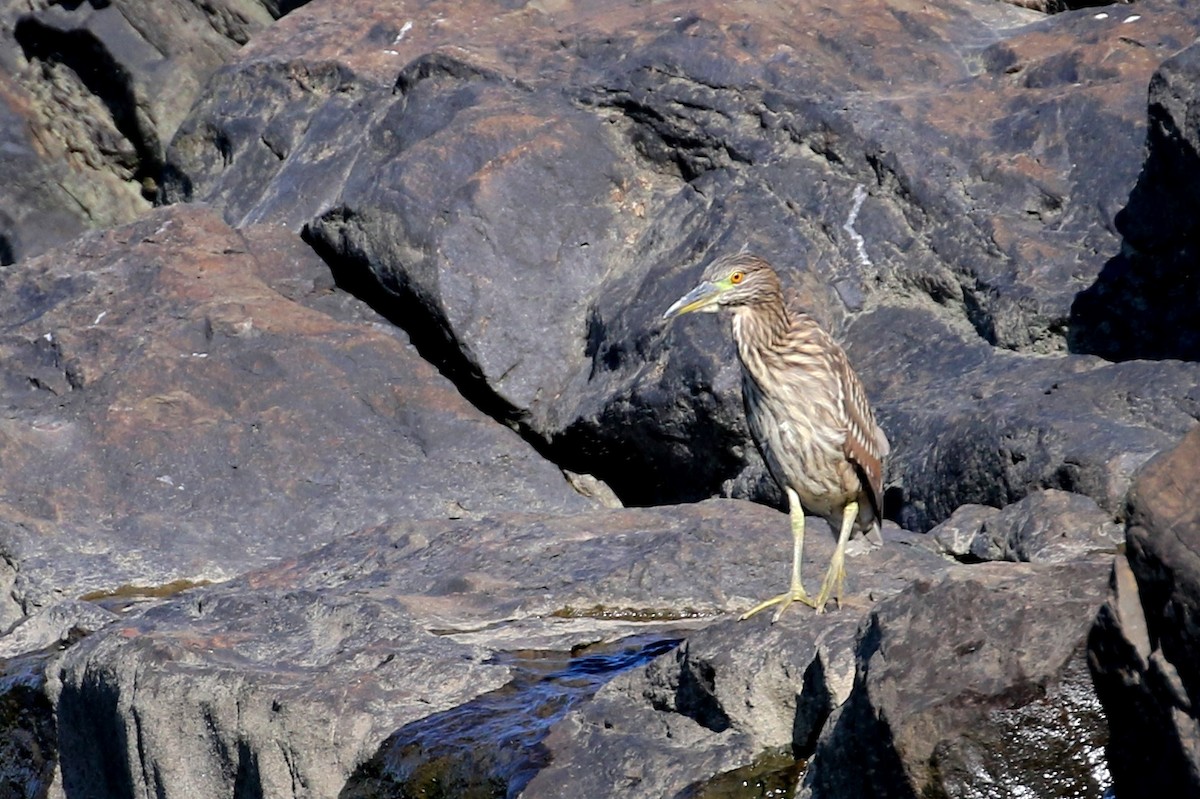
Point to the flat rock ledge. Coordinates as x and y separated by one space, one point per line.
362 668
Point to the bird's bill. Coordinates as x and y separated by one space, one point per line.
702 298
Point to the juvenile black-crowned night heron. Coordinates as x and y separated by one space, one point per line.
807 410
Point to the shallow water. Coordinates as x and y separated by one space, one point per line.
490 746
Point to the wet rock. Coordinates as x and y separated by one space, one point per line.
28 727
969 681
192 402
494 743
1144 647
417 617
1046 527
726 695
1010 702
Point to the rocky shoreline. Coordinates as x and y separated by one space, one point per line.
344 452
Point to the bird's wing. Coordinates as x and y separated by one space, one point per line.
865 445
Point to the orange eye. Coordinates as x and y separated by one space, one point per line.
736 277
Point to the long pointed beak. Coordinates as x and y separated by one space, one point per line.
701 298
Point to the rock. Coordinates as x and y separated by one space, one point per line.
971 424
28 726
295 674
517 191
193 402
962 535
526 189
1045 527
203 697
35 212
969 681
1135 307
727 694
1144 647
92 93
64 621
666 564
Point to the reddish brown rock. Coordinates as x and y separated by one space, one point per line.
182 400
1139 305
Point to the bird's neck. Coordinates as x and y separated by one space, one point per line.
761 325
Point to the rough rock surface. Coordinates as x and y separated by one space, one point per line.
63 621
518 190
152 409
90 96
390 625
526 190
723 697
1046 527
958 711
1145 648
980 425
1139 305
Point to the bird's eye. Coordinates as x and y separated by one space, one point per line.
736 277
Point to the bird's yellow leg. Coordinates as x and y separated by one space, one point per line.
796 592
837 565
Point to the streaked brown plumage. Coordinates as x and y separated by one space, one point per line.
807 410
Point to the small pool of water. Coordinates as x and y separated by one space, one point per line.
490 747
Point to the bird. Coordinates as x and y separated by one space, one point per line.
808 414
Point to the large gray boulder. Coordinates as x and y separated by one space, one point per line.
184 401
525 190
354 669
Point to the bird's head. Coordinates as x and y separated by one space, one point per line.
741 279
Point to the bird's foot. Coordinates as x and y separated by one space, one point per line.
832 584
783 600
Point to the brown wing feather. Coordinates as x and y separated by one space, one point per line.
865 446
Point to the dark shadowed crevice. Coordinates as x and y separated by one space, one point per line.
1059 6
1142 305
93 740
398 303
638 465
696 695
28 732
104 77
